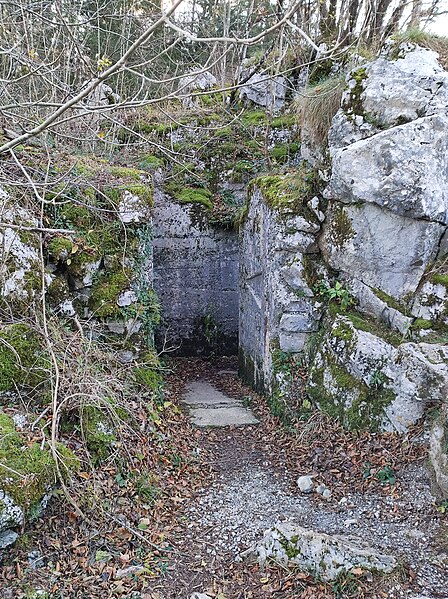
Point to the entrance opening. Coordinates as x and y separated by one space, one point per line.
196 277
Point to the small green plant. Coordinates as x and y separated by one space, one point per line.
377 379
367 471
146 489
247 401
345 585
443 506
337 294
210 329
386 476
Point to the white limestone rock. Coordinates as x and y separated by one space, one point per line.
370 383
305 484
196 81
11 516
133 208
369 303
19 252
405 88
390 91
263 90
126 298
325 556
431 302
403 169
384 250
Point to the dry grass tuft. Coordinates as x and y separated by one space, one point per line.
437 43
317 105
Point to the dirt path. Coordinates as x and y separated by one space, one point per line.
253 488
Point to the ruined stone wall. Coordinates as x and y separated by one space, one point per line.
277 308
195 278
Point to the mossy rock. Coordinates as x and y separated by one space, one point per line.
346 398
191 195
60 248
28 472
353 105
23 361
99 432
289 193
105 291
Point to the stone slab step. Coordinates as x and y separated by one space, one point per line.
210 407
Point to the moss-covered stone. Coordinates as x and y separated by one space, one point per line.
28 472
23 361
390 301
99 433
105 291
289 193
440 279
282 152
254 117
190 195
340 228
375 327
421 324
346 398
354 105
60 248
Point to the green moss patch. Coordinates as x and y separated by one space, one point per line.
28 472
289 193
60 248
440 279
340 228
105 292
375 327
356 405
23 361
354 104
390 301
191 195
99 433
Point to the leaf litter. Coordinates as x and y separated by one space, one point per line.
167 538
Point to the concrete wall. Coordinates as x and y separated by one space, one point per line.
196 280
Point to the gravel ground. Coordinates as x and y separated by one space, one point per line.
249 496
253 489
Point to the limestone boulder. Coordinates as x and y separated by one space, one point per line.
403 169
196 81
19 252
396 88
430 303
376 305
323 555
378 247
362 378
263 90
438 453
11 516
406 87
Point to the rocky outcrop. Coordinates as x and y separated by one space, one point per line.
264 90
324 556
195 82
376 262
368 382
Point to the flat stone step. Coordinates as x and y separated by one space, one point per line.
210 407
